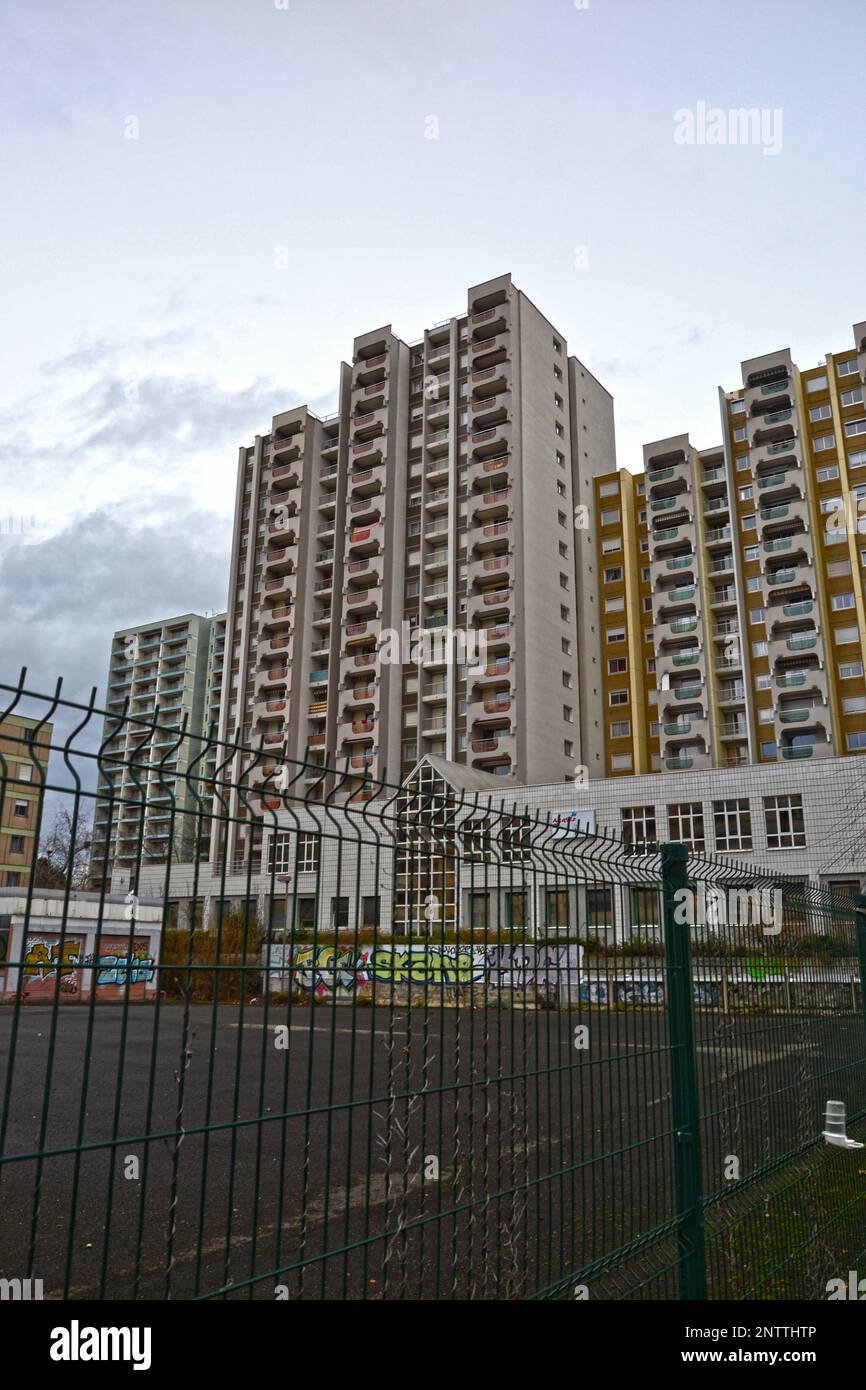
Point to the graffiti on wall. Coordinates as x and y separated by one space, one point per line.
329 969
46 959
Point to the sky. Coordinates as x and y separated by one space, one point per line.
205 201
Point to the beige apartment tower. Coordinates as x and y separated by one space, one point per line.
732 579
435 508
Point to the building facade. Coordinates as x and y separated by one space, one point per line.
733 626
159 737
25 746
407 576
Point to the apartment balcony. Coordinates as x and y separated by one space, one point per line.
722 596
676 629
490 381
788 617
668 472
721 566
802 716
692 728
489 410
770 426
359 696
364 511
492 602
366 482
495 635
436 561
277 645
491 710
436 501
277 617
361 632
373 396
680 566
488 323
367 423
437 443
801 680
495 750
365 540
717 535
281 559
320 618
489 353
358 666
796 548
436 594
286 450
686 759
668 540
491 442
361 730
812 744
670 511
731 693
683 661
368 453
328 478
491 506
716 511
489 474
365 602
780 516
713 480
370 371
483 539
276 680
497 672
771 384
481 571
670 603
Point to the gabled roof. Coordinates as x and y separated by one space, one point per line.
460 777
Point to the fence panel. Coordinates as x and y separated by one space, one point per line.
286 1032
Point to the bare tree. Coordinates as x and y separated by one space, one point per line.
64 857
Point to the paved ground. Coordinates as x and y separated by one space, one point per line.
385 1154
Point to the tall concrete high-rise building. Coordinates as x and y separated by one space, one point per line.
439 500
164 679
25 747
733 624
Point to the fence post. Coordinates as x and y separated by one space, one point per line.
860 907
684 1088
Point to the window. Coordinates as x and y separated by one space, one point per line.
20 808
686 820
562 518
568 714
557 400
820 412
817 383
752 552
620 762
855 742
566 646
854 704
619 697
568 748
599 908
827 475
13 880
279 849
308 854
16 844
25 772
760 648
614 605
732 821
850 670
616 634
855 427
617 666
370 911
517 916
610 547
740 434
563 550
823 441
556 908
339 913
611 576
608 489
638 825
857 459
745 493
783 816
749 523
563 581
737 407
854 397
568 680
620 728
843 635
610 517
564 613
840 601
558 428
847 368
